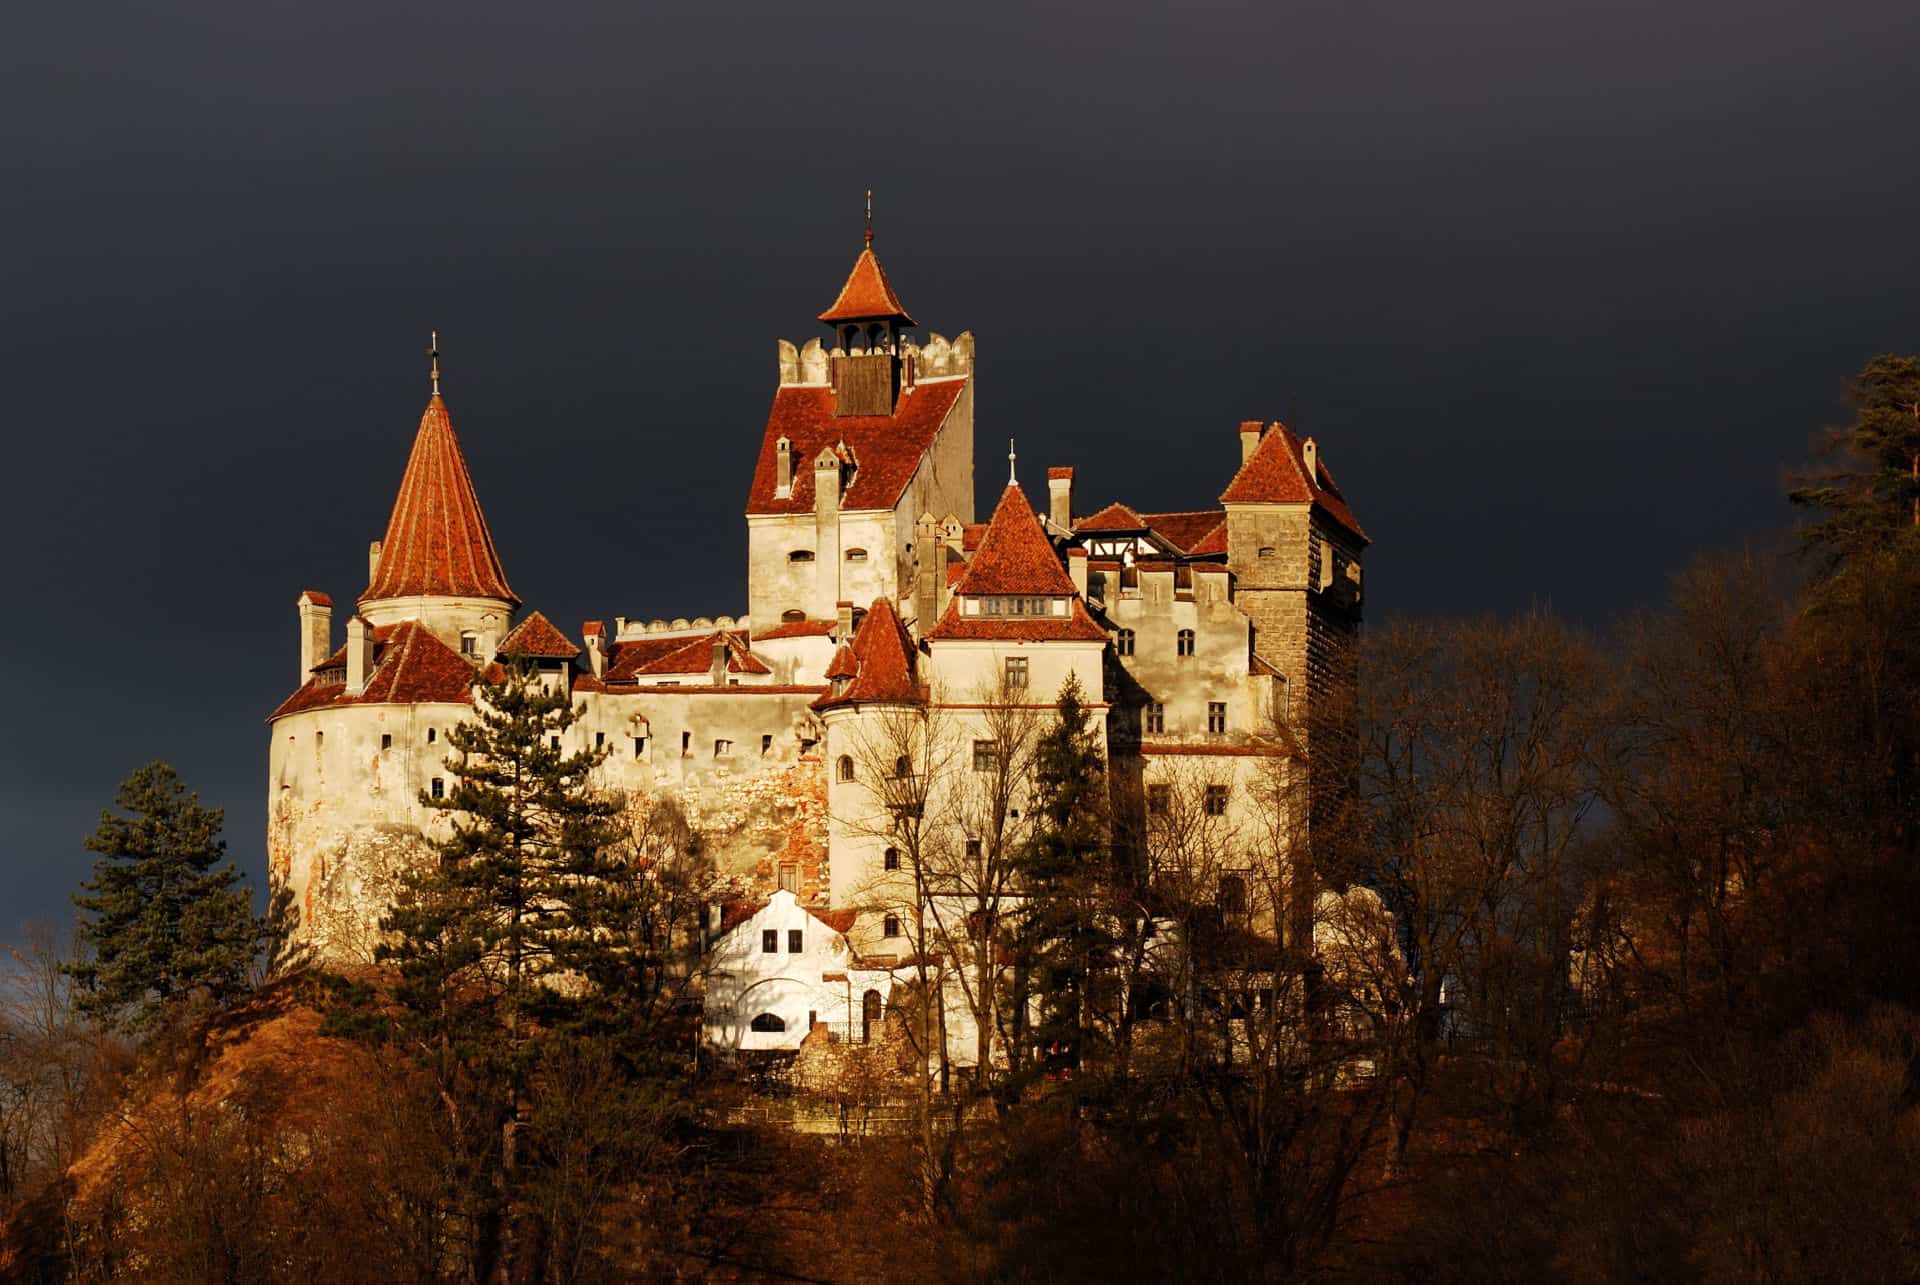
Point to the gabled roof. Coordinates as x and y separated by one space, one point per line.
536 636
1115 517
797 629
735 913
1076 626
867 295
882 658
410 665
1276 473
889 448
1185 531
628 657
437 542
1015 556
689 656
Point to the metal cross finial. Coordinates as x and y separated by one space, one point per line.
1011 479
869 218
433 356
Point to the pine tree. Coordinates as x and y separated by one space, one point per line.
1064 873
1871 500
166 918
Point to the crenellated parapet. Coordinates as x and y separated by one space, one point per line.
811 364
625 629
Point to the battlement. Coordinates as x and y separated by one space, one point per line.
625 629
811 364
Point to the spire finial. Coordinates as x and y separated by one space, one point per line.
869 218
433 358
1011 479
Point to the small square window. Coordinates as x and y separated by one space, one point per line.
890 926
973 848
1216 802
722 749
770 941
795 940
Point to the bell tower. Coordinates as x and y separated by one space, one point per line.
867 365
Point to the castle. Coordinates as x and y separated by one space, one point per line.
1202 643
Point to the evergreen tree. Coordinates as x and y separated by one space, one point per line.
166 918
1064 938
1871 500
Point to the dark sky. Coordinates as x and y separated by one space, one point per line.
1561 289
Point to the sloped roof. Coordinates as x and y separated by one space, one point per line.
797 629
1276 472
1214 542
410 665
867 294
1115 517
882 656
692 656
628 657
1015 556
1186 530
536 636
1076 626
888 448
437 540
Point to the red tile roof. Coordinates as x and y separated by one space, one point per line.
1059 473
536 636
315 597
867 295
593 627
629 657
1185 530
1115 517
1276 472
410 665
437 540
1076 626
1213 543
1015 557
882 657
838 920
695 656
798 629
971 534
889 448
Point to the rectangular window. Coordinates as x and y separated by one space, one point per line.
721 749
1123 642
973 848
794 940
686 744
639 747
766 745
439 790
599 740
986 756
1019 606
1016 672
431 735
789 877
1216 804
890 926
554 742
1159 800
1233 894
1216 717
1155 717
892 859
386 740
469 645
770 941
1183 642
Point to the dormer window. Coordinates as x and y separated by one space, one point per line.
800 555
856 555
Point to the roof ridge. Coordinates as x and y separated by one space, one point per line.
1015 556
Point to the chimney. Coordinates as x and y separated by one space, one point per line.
930 558
316 631
1310 455
717 675
1077 569
1060 497
595 633
359 654
843 621
373 561
783 468
1250 431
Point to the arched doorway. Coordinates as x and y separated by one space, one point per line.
869 1015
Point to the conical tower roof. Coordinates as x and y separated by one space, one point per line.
867 295
437 541
1015 556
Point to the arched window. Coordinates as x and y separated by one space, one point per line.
792 616
856 555
903 766
870 1012
768 1022
1183 642
892 859
800 555
846 767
